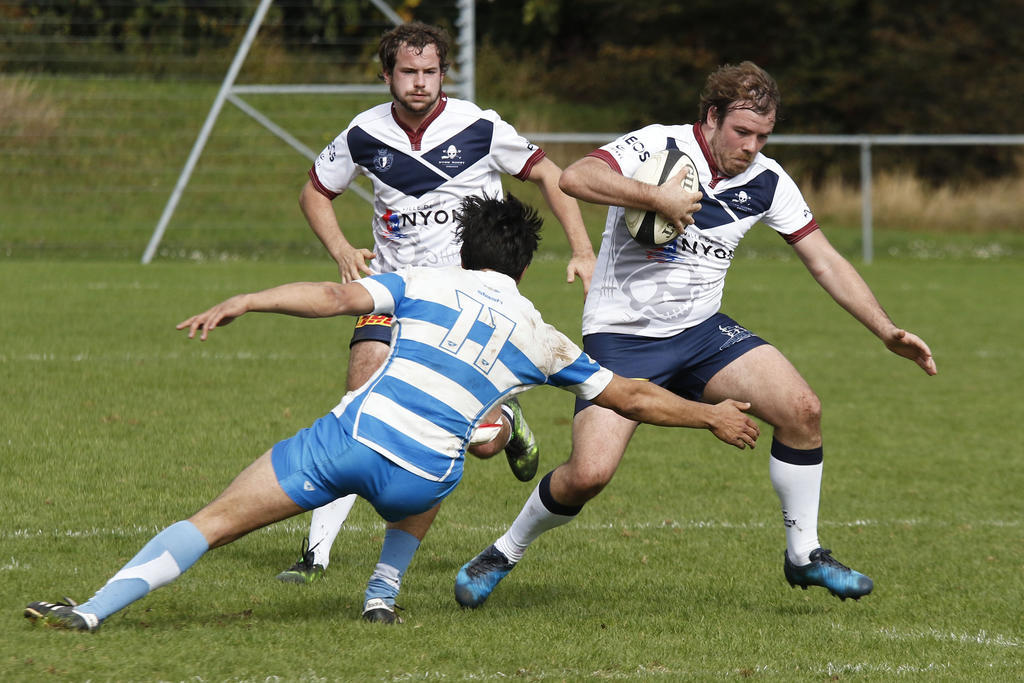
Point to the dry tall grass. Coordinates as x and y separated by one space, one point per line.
904 202
25 115
900 200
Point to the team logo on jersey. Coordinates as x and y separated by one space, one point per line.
451 158
735 334
384 160
655 298
741 199
396 224
393 225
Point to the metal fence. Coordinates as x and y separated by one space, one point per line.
463 78
864 142
463 84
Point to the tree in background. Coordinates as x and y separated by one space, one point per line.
844 66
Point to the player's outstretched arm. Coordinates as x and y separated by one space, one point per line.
301 299
545 174
319 213
646 402
844 284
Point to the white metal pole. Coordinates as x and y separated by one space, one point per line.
467 49
290 139
204 133
866 229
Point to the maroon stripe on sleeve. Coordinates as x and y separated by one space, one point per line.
530 163
803 232
319 186
607 158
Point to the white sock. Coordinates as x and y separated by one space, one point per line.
324 527
533 520
799 491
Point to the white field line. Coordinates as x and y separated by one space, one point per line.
979 638
829 669
305 355
290 527
129 357
834 669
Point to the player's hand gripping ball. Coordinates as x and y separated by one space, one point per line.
649 227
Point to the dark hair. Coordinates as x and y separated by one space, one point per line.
416 35
499 234
746 86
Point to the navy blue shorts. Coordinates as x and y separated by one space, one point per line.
323 462
683 363
372 328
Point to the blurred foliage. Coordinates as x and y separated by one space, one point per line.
844 66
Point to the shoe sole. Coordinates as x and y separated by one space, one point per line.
805 586
381 616
294 577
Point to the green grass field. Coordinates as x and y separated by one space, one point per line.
88 165
115 426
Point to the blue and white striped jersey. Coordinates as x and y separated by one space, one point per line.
661 291
420 176
462 341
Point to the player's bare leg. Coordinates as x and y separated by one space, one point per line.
600 437
253 500
777 393
782 398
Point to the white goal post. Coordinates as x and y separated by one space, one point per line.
462 78
463 82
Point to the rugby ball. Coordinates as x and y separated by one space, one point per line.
648 227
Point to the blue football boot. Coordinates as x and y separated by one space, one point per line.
825 570
479 576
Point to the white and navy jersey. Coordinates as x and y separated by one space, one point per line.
462 341
661 291
420 177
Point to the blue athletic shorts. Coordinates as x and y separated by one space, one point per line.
683 363
372 328
322 463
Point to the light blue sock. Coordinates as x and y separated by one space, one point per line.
163 559
395 556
